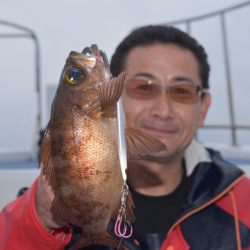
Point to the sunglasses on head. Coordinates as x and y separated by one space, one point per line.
143 89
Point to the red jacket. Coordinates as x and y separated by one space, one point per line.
215 215
20 227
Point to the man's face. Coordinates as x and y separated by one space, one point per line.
172 122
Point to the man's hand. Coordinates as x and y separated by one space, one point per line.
44 199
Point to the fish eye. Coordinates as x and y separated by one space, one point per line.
73 76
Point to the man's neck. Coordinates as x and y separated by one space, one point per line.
154 178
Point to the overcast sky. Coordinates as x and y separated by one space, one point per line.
62 26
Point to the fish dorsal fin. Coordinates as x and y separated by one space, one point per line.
140 145
109 93
45 157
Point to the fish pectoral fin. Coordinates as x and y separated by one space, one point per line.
45 157
109 93
140 145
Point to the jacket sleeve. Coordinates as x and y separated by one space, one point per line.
20 227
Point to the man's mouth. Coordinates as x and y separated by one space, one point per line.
160 130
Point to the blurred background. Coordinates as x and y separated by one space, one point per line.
37 36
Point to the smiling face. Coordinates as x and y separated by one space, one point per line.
172 122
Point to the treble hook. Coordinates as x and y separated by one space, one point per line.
121 224
121 228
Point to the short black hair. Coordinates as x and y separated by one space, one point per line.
152 34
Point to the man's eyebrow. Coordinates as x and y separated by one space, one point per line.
145 74
183 79
174 79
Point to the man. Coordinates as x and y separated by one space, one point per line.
187 198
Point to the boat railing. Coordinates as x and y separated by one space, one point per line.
16 31
187 24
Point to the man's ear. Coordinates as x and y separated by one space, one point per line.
205 104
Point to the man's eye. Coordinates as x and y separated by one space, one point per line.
144 87
181 91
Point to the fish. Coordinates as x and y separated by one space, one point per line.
79 152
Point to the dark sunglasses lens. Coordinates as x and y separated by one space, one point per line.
141 89
185 93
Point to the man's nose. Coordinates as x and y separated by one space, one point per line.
162 106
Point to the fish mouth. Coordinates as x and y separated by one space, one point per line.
94 52
91 55
88 60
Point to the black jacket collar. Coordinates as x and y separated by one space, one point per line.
208 180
